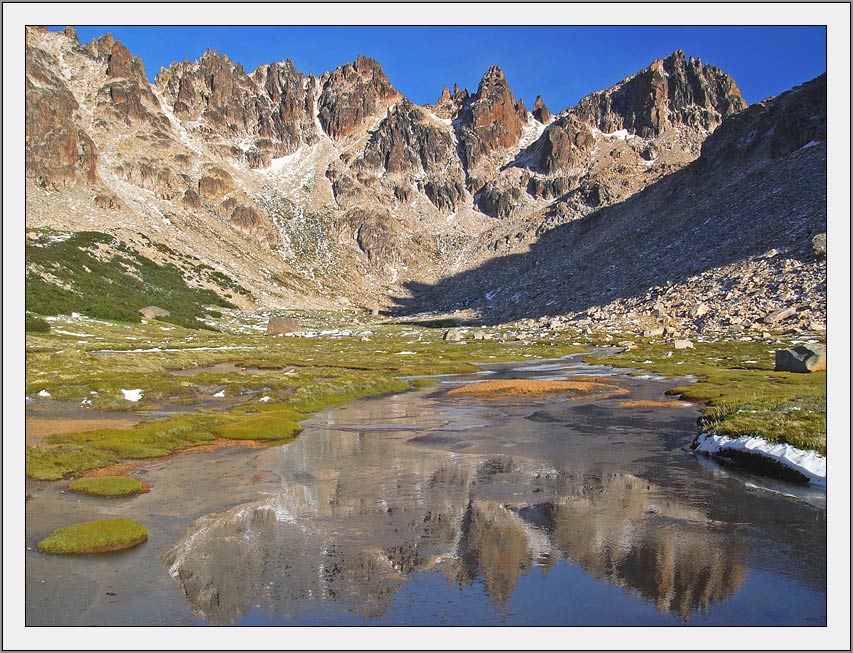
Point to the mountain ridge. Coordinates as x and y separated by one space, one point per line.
338 183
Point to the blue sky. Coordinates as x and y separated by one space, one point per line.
561 63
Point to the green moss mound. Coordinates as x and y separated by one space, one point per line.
100 536
107 486
55 463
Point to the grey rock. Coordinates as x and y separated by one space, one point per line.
153 312
805 358
682 344
819 245
279 324
453 335
780 315
699 310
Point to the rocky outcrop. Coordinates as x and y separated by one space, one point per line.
352 94
372 232
565 145
491 120
773 128
671 92
409 145
126 91
805 358
59 152
269 113
449 105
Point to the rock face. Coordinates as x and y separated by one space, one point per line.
492 119
805 358
352 94
279 325
541 112
152 312
59 152
269 113
675 91
415 150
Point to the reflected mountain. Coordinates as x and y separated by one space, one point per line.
349 538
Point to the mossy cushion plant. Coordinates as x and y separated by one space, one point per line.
107 486
100 536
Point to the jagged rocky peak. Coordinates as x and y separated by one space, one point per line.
541 112
353 93
671 91
126 91
491 120
271 111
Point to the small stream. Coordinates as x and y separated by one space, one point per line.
423 508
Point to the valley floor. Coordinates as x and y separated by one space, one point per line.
107 395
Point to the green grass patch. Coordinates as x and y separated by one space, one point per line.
742 393
100 536
55 463
281 424
107 486
146 440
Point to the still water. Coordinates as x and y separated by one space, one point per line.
430 509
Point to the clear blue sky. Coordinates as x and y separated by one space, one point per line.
561 63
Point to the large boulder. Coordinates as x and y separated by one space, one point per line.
805 358
152 312
279 324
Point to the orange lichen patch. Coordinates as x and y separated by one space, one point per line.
645 403
533 388
38 428
221 443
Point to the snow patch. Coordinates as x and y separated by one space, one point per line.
132 395
809 463
621 134
220 394
44 393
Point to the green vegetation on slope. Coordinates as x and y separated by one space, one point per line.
107 486
92 273
741 392
100 536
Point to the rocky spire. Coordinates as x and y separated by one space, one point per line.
541 112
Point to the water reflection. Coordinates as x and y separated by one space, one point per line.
351 535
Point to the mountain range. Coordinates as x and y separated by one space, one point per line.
663 201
